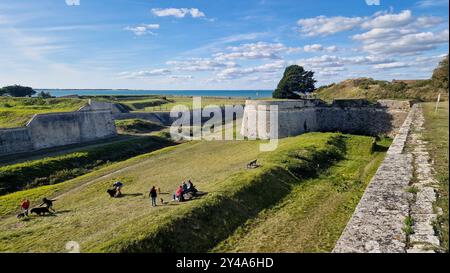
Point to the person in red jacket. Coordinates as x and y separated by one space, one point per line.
179 194
25 206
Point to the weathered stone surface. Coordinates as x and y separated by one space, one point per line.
349 116
58 129
376 225
424 239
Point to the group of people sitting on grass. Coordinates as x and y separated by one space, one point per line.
186 188
185 191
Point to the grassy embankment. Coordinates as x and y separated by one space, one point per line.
235 195
53 170
16 112
365 88
436 134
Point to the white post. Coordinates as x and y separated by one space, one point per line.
437 103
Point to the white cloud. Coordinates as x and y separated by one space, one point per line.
333 62
391 65
143 29
182 77
178 12
237 72
200 64
318 48
390 20
260 50
432 3
407 44
144 74
400 34
323 26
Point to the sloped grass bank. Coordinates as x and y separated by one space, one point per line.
53 170
241 197
235 196
315 212
137 126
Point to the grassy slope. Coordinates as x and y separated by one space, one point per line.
173 101
99 223
16 112
437 135
312 217
90 215
354 89
52 170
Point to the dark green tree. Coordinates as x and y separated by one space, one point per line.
18 91
44 95
440 74
295 80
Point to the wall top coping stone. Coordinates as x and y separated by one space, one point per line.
338 103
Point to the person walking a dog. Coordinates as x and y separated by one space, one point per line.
118 186
25 206
153 194
48 203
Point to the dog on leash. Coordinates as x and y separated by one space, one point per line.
112 192
40 211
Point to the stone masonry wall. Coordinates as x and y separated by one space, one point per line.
57 129
378 223
296 117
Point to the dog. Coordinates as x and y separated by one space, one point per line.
21 215
40 211
112 192
163 202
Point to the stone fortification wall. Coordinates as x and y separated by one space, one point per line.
296 117
58 129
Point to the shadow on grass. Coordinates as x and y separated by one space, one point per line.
130 195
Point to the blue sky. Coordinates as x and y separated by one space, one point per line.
215 44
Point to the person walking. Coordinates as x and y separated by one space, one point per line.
153 194
25 206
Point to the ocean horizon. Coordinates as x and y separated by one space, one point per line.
253 94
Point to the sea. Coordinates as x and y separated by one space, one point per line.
250 94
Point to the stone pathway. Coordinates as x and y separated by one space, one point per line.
402 187
421 205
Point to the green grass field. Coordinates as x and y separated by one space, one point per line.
16 112
313 215
436 124
56 169
86 214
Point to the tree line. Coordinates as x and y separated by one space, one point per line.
22 91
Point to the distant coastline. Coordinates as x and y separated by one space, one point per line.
253 94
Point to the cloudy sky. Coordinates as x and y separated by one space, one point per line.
216 44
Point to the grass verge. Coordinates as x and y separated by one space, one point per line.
437 136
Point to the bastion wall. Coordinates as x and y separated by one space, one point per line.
58 129
295 117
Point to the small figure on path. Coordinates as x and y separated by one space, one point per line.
153 194
118 186
25 206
